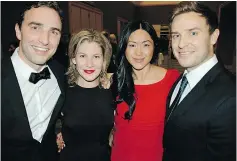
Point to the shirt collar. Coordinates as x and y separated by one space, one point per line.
198 73
22 66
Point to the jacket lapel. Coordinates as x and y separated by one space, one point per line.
189 101
59 74
168 110
197 92
12 91
13 95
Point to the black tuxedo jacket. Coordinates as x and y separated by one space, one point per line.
17 141
203 126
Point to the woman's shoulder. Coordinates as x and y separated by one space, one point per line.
164 70
160 70
167 73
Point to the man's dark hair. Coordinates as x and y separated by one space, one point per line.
198 7
50 4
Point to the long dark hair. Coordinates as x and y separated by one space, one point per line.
123 84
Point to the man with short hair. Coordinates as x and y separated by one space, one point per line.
201 106
32 87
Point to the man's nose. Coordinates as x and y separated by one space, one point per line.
44 38
183 41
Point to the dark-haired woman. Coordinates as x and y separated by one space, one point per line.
140 89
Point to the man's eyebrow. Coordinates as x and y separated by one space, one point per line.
191 29
35 23
195 28
54 28
174 33
40 24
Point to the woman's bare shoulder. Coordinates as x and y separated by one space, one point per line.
159 70
158 73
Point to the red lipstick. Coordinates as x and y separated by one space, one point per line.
89 71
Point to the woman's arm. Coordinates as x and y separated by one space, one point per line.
58 131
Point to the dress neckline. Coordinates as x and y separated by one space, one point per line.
84 88
160 81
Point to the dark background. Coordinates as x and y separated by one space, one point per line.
127 10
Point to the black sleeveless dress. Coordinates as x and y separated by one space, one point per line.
86 124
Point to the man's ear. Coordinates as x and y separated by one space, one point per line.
214 36
18 31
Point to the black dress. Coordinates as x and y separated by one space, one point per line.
87 122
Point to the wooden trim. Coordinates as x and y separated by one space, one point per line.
82 6
120 19
154 3
87 7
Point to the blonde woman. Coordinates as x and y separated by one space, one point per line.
88 112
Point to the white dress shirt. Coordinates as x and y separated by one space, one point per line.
39 99
193 77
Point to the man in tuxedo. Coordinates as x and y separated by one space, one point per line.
201 106
32 87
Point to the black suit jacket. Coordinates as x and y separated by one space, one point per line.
17 141
203 126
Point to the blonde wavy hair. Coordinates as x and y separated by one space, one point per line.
89 35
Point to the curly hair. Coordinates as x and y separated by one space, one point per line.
89 35
123 84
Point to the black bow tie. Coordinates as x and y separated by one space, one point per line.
35 77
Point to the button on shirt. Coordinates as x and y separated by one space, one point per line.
193 77
39 99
